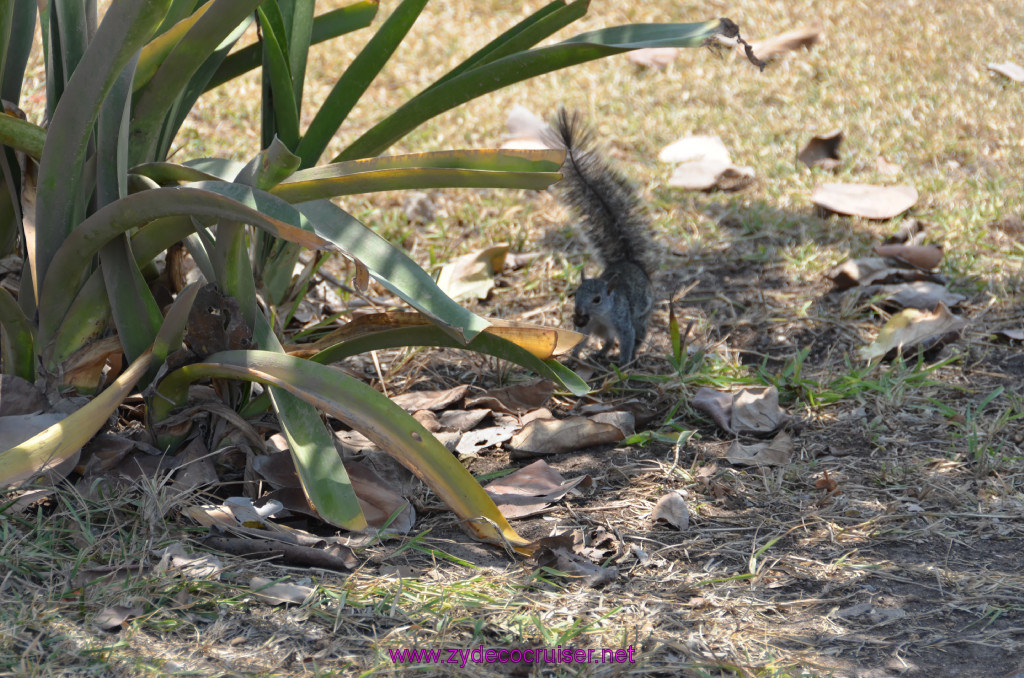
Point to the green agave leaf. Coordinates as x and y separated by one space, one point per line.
482 168
18 338
392 268
157 50
185 102
17 28
527 33
158 96
521 66
125 28
166 173
369 412
413 178
60 441
22 135
357 77
324 478
430 335
325 27
281 107
218 200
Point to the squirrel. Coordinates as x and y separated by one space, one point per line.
618 303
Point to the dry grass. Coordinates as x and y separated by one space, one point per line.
912 568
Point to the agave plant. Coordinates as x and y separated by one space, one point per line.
91 200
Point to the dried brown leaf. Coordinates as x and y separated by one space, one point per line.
472 275
515 399
551 436
18 396
911 332
430 400
558 553
822 150
863 200
776 453
282 593
1009 70
672 509
920 256
532 489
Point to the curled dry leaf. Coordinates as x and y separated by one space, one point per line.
1010 334
863 200
551 436
1009 70
653 57
790 41
822 150
624 421
472 275
94 365
672 509
515 399
430 400
921 295
716 404
776 453
379 501
924 257
912 332
282 593
462 420
756 410
704 164
532 489
558 553
18 396
113 618
874 270
749 410
473 442
175 559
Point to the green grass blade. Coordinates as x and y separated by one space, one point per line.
369 412
18 346
325 27
298 19
522 66
430 335
392 268
353 83
125 27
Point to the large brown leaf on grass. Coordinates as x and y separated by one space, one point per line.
863 200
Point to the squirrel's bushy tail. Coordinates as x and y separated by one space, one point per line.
606 203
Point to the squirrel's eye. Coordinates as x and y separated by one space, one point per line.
597 299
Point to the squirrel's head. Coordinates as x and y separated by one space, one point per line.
593 298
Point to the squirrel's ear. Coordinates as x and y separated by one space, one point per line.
583 276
